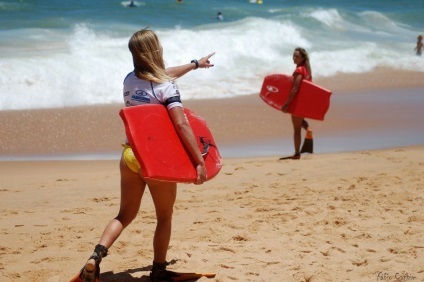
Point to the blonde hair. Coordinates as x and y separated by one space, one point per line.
147 56
306 57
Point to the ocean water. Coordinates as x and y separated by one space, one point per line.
69 53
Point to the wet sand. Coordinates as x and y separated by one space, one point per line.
360 112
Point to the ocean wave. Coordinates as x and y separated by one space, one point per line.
330 18
54 68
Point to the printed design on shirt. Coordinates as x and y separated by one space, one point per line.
141 96
175 86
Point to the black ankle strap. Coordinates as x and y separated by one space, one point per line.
101 251
159 266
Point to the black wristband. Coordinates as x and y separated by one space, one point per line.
196 63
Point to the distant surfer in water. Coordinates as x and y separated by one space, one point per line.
302 71
149 83
419 48
132 4
220 16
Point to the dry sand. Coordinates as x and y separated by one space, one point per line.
352 216
331 217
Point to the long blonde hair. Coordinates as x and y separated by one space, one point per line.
147 56
306 62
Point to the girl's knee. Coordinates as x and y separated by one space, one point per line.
125 219
164 216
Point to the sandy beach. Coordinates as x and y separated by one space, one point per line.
351 215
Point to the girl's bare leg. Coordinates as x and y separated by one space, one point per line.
132 189
297 136
164 195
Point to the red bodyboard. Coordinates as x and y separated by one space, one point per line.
312 101
159 150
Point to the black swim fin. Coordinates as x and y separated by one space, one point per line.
308 143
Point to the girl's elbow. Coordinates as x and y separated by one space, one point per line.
181 126
294 90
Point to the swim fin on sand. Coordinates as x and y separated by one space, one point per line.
77 278
308 143
307 147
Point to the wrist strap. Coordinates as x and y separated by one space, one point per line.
196 63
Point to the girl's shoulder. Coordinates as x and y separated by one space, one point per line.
166 89
165 85
301 70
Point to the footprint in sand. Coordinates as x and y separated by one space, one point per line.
274 185
240 238
102 199
5 250
360 263
227 249
240 168
226 266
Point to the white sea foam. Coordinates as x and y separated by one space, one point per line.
85 66
330 17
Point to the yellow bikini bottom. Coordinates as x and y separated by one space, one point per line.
130 159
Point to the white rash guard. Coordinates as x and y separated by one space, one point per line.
139 92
